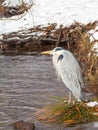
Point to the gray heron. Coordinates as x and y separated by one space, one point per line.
68 69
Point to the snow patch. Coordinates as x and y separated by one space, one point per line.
92 104
15 3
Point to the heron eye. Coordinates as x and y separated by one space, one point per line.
60 58
58 49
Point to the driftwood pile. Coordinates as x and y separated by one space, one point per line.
70 37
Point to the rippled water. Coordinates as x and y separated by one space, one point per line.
27 83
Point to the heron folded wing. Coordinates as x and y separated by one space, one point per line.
60 58
71 76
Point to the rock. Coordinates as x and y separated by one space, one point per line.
23 125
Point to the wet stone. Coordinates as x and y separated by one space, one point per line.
23 125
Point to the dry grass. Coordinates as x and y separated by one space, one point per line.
78 41
63 113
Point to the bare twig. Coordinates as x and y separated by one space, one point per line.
59 37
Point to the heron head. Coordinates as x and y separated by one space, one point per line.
56 50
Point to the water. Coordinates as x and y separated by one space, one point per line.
27 83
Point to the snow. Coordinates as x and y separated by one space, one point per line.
92 104
96 124
95 36
66 11
16 2
48 11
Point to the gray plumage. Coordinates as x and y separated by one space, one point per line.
68 70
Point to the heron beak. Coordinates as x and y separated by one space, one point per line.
46 52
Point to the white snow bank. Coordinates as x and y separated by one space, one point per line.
49 11
16 2
65 11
